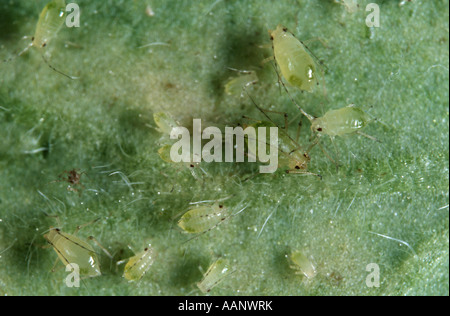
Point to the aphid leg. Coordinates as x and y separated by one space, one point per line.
268 59
299 127
56 217
308 41
101 246
79 227
284 114
55 265
329 157
368 136
241 71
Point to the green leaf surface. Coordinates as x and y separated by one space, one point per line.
386 204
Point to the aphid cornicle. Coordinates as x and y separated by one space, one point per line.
72 250
291 55
216 273
302 264
139 264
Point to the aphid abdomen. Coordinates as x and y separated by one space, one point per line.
71 249
296 65
50 21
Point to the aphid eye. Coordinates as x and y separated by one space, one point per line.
146 249
45 44
284 29
271 38
319 129
192 166
220 206
297 167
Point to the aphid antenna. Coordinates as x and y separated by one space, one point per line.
221 279
58 71
211 201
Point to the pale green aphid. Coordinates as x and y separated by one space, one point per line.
291 55
202 218
216 273
139 264
72 250
236 85
50 21
302 264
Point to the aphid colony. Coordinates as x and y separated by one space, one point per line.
297 67
299 70
198 219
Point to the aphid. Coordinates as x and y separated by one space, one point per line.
291 55
71 249
302 264
139 264
200 219
220 269
291 154
236 85
50 22
165 125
